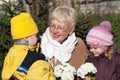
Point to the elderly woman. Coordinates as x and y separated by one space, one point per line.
59 43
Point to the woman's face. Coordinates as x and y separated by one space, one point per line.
59 31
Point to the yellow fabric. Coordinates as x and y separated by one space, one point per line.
14 59
23 26
43 72
19 76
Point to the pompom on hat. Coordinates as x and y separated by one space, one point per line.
23 26
100 36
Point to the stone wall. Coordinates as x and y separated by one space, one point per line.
106 7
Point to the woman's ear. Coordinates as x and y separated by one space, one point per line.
71 30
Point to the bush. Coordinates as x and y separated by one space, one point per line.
8 10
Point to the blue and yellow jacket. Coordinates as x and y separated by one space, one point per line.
38 70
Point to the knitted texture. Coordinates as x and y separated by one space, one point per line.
100 35
23 26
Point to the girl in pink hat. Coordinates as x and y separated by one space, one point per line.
104 57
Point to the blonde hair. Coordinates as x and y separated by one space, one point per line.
110 52
65 14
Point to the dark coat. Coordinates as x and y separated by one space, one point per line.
107 69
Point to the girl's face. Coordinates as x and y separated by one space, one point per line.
32 40
59 31
96 50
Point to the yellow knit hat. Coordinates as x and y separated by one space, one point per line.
23 26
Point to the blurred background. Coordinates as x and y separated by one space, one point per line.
90 13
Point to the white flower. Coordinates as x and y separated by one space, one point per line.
85 69
65 71
58 70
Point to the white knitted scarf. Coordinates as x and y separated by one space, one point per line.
62 52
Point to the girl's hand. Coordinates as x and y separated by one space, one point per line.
87 78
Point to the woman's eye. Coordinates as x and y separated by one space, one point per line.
52 25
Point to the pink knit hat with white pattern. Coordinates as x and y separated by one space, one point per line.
100 36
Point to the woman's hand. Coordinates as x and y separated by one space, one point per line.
87 78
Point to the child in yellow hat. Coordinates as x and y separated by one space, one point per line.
23 61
